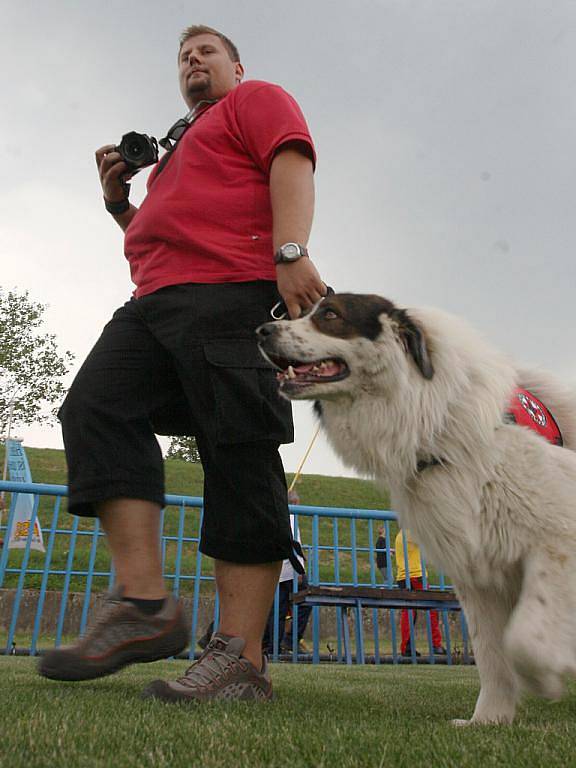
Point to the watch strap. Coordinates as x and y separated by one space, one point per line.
279 257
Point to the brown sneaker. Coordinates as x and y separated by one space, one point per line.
220 673
121 635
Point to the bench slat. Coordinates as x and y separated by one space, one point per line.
377 593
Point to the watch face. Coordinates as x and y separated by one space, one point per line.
290 251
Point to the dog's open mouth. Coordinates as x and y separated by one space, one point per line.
297 373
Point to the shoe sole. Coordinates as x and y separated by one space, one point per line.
161 691
85 669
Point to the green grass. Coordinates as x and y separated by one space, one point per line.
182 478
49 466
322 716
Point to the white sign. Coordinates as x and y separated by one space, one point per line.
19 472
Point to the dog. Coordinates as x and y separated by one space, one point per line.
419 401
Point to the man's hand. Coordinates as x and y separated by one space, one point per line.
111 167
300 285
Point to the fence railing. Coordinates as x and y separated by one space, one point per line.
46 598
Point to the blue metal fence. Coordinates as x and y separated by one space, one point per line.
339 545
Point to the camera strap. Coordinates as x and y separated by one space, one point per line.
170 141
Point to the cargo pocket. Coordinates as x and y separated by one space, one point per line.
248 406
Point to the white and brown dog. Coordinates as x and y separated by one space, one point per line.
418 400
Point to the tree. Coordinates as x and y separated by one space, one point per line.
184 448
31 366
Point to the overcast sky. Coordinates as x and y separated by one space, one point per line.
445 133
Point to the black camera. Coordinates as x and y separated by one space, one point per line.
138 151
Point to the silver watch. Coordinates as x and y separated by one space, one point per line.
289 252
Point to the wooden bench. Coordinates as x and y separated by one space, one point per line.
357 598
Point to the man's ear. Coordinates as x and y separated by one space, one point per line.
414 341
239 72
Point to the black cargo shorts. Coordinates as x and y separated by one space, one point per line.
184 361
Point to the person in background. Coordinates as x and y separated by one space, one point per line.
285 591
382 554
412 572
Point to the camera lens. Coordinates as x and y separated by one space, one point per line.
134 150
138 150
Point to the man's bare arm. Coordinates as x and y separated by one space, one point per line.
292 198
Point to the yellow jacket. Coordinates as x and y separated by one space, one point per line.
414 558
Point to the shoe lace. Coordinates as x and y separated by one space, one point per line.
211 665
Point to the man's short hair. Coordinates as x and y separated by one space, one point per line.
201 29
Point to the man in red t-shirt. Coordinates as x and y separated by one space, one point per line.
219 240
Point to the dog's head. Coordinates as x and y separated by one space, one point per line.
341 344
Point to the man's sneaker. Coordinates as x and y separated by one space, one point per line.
439 650
220 674
121 635
207 636
408 651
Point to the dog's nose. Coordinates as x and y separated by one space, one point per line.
266 330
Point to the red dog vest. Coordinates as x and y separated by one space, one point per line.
525 409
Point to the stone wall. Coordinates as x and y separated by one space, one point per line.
74 608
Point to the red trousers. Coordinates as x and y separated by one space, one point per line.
405 619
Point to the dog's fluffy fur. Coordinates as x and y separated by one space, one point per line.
406 388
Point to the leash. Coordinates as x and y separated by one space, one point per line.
279 311
299 470
296 546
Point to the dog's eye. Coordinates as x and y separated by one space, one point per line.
329 314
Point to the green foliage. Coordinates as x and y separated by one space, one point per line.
31 367
185 449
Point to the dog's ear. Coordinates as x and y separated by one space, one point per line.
414 341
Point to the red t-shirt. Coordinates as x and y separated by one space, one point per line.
207 217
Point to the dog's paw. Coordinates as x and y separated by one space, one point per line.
487 720
457 723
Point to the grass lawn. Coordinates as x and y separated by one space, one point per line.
48 466
322 716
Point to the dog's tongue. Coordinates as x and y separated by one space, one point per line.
303 367
325 368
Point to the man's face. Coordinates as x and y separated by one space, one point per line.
205 69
